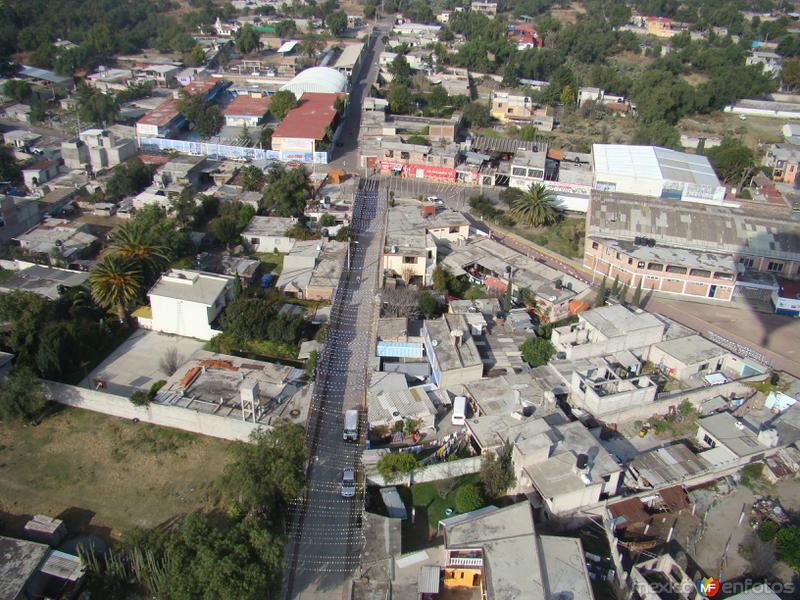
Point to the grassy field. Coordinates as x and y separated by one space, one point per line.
430 501
104 475
271 262
565 237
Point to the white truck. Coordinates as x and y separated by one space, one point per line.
350 426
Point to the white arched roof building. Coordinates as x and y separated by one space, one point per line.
317 79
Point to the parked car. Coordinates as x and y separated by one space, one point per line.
348 483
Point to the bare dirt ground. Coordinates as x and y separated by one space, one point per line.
776 336
104 475
754 130
722 530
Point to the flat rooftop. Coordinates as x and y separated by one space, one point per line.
450 355
614 321
510 393
44 281
670 255
215 383
732 433
407 229
714 229
19 560
191 286
652 162
692 350
268 226
347 59
162 115
244 105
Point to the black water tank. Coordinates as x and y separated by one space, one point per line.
775 379
583 460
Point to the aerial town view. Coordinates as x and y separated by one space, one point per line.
399 299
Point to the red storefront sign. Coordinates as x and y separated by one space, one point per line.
419 171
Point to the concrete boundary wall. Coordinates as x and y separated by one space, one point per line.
167 416
445 470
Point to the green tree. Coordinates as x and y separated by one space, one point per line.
468 498
116 283
615 287
476 114
237 287
9 167
438 97
327 220
497 473
537 351
265 138
95 106
401 101
567 96
225 230
787 546
281 102
132 243
195 57
400 69
269 472
534 207
184 207
18 90
204 115
246 39
768 530
24 313
252 178
528 134
602 294
391 466
441 279
310 45
127 179
733 161
428 304
637 294
336 22
343 234
21 395
790 74
286 192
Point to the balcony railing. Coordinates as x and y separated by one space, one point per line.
464 561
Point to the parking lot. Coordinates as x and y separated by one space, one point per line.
136 363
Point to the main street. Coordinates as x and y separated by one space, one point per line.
324 539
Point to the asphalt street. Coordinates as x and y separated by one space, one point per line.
325 536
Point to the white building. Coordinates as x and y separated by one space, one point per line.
268 234
770 62
656 172
187 302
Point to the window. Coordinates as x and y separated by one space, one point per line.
390 154
727 276
747 262
709 441
254 241
617 255
676 269
640 264
410 260
630 261
775 267
655 266
405 155
595 245
703 367
518 171
537 173
700 273
453 230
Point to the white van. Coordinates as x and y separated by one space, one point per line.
459 411
350 426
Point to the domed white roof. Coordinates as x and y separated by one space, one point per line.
317 79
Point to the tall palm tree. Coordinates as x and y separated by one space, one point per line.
534 207
130 241
116 282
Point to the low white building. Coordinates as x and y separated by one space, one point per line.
268 234
186 303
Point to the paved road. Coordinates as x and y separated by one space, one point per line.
325 537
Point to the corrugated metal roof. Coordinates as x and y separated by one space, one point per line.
428 581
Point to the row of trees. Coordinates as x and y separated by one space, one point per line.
253 319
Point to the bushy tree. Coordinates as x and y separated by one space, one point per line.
537 351
732 160
95 106
204 115
246 39
468 498
9 167
18 90
225 230
401 101
281 102
391 466
127 179
21 395
252 178
343 234
336 22
268 473
476 114
428 304
286 192
787 546
497 473
327 220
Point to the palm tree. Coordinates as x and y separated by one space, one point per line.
534 207
116 282
130 242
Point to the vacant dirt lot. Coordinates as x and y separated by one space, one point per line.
104 475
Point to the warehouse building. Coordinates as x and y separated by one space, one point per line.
656 172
